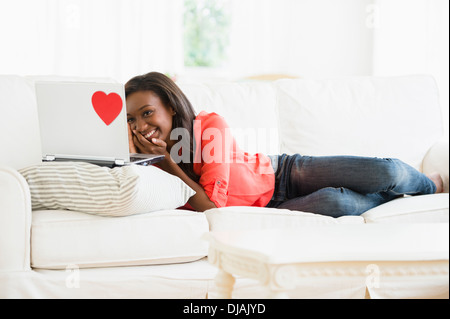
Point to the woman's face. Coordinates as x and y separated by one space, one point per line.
147 115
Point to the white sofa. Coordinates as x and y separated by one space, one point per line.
163 254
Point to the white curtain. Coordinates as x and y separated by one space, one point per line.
120 38
306 38
90 38
323 38
412 37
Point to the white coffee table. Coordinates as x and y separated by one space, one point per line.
279 259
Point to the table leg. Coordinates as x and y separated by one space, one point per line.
224 282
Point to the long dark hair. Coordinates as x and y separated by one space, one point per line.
171 96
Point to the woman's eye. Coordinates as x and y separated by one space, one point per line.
130 120
147 113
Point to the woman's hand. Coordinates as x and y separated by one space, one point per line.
131 145
200 201
156 146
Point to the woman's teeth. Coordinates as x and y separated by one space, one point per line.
149 134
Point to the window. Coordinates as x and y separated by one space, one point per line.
206 32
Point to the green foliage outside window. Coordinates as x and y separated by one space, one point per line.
206 32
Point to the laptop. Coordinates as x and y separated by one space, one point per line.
85 121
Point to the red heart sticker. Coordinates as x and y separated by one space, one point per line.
107 107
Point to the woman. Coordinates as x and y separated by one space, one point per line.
200 150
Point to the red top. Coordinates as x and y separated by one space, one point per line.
229 176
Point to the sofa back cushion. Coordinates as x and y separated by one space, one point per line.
366 116
20 143
249 108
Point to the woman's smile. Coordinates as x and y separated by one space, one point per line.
150 134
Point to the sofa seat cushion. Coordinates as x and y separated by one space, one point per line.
412 209
256 218
63 239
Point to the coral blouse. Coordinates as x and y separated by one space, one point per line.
229 176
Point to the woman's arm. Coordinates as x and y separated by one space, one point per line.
200 201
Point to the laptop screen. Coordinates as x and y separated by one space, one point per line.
82 120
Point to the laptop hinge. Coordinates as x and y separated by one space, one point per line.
49 158
119 162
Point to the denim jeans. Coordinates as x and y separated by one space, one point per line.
342 185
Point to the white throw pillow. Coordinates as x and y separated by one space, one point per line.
92 189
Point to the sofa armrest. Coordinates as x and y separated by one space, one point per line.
436 160
15 221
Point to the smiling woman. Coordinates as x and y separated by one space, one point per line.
147 92
148 117
222 174
156 106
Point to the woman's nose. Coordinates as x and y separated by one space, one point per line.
140 125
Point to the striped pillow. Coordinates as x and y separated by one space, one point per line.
92 189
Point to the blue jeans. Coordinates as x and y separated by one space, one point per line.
342 185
